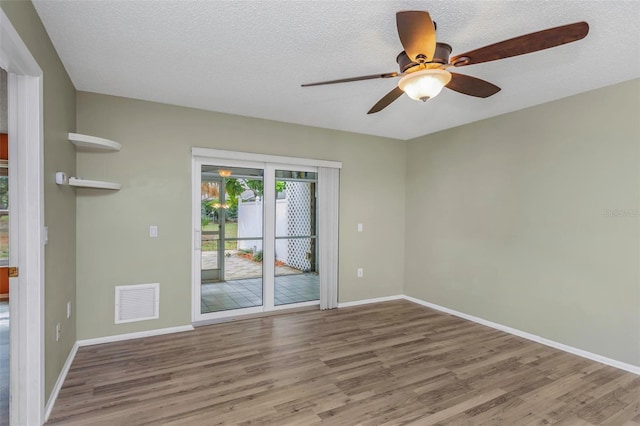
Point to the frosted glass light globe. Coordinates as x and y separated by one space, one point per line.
424 85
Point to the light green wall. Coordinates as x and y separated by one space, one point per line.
60 204
508 220
154 167
507 215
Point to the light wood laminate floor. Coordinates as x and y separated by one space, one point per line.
386 363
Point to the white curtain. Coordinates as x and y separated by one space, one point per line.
328 199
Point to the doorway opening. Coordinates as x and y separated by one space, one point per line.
296 240
258 233
232 243
26 198
4 252
231 240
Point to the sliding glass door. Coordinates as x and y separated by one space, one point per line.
255 242
231 215
296 273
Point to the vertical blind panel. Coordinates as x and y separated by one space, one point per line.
328 201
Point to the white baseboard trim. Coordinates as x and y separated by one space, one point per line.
566 348
88 342
138 335
61 377
367 301
561 346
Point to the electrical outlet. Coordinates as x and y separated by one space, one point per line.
359 227
68 310
58 332
360 272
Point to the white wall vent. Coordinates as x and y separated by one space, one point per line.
137 302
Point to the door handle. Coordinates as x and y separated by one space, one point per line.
14 272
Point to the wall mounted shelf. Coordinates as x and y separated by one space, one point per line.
92 143
86 183
95 144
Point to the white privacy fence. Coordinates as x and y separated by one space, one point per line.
293 217
250 225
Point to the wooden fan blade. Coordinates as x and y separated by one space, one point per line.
386 100
472 86
417 35
346 80
528 43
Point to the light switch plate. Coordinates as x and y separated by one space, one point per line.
153 231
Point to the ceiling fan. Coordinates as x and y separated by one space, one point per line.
424 62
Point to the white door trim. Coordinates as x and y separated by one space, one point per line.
26 201
262 158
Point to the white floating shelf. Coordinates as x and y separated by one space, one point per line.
93 143
86 183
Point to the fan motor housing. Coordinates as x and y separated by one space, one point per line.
441 56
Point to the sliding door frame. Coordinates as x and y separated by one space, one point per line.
270 235
268 163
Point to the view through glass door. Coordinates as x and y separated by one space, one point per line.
296 273
233 247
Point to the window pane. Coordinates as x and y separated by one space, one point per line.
296 274
295 205
232 238
296 277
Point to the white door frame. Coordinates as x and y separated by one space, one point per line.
26 227
269 163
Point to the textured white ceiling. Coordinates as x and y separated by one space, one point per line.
250 57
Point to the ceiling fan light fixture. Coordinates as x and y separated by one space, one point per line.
424 85
224 173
